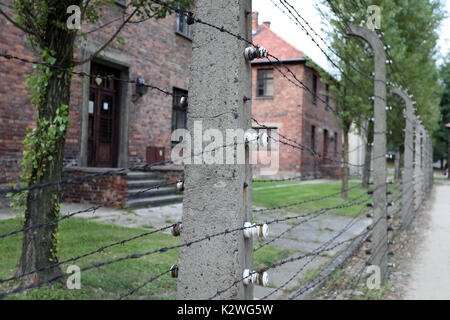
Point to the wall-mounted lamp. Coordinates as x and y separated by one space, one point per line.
141 88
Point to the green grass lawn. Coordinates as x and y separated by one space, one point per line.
259 184
274 197
108 282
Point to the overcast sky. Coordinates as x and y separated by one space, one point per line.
293 34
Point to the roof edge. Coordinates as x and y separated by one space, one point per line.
281 60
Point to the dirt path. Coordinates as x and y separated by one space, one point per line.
430 277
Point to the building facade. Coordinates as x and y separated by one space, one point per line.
281 104
117 124
112 123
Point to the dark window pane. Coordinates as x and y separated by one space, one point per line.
179 113
182 25
106 120
265 83
314 90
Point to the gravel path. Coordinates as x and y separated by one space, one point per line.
430 277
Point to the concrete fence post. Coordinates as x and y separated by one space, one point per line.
408 191
417 165
427 164
217 197
430 163
379 236
422 161
431 158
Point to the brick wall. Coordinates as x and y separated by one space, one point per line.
16 114
322 119
292 111
98 190
283 111
157 53
169 173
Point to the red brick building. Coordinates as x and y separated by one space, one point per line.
292 111
112 125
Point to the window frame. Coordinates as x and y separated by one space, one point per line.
177 93
264 81
313 137
178 22
335 144
314 89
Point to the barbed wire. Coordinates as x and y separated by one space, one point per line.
144 284
349 225
318 280
114 201
304 201
99 250
286 4
278 264
151 252
316 33
293 227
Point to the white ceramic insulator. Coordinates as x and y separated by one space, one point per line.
249 278
254 230
180 185
263 279
262 53
250 137
250 53
263 231
264 139
249 230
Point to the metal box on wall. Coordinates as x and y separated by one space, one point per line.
155 154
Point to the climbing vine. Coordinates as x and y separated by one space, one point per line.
40 142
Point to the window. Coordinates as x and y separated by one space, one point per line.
313 137
327 98
314 89
265 83
179 113
335 144
182 26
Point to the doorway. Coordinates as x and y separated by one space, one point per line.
103 121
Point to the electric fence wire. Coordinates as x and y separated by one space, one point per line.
163 250
110 172
348 226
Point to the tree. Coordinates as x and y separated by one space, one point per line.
353 107
410 29
440 136
46 25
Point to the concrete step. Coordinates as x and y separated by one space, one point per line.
139 175
145 193
154 201
143 184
